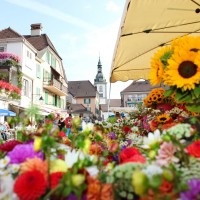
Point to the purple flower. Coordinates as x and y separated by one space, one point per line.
194 190
74 197
112 135
23 151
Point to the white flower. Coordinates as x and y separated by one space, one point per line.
152 139
4 162
134 128
87 126
14 168
6 188
152 170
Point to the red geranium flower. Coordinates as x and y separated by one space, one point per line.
9 146
30 185
127 129
55 179
128 153
194 149
135 158
61 134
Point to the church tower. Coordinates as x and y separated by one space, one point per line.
101 84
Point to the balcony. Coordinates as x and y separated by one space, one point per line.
55 87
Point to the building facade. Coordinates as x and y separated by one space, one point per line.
86 94
135 93
43 75
101 84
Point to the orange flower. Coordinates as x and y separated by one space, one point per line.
35 164
168 125
97 191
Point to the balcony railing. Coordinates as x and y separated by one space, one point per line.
55 86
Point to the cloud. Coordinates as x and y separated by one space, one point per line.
53 12
111 6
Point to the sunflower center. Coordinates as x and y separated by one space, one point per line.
187 69
163 119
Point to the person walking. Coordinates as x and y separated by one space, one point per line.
61 123
68 124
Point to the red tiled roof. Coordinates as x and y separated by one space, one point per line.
139 86
9 33
82 88
113 103
40 42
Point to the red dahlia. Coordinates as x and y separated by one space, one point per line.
128 153
194 149
30 185
9 146
55 179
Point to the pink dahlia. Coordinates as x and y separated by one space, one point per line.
166 154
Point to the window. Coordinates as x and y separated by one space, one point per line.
86 101
29 54
25 87
53 61
100 88
46 97
38 73
2 49
100 94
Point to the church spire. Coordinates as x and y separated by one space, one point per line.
99 76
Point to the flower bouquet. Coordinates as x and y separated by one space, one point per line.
178 66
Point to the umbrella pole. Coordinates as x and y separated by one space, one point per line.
109 98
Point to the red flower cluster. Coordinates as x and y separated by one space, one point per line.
131 154
30 185
127 129
194 149
55 179
9 87
9 146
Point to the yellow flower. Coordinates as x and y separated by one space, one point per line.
58 165
37 143
157 66
78 179
162 118
87 143
183 70
186 43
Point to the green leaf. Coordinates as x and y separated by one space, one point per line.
165 57
155 181
169 92
66 191
197 91
193 107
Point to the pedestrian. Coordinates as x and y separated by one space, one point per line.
3 130
68 124
61 123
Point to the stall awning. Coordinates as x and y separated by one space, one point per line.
146 26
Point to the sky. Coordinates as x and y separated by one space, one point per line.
81 31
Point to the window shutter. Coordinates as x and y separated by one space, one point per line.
46 97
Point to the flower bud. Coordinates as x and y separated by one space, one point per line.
37 143
139 182
168 175
78 179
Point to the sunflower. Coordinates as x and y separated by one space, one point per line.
162 118
157 66
183 70
187 43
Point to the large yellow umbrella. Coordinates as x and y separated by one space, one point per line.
146 26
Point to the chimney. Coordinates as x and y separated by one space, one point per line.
36 29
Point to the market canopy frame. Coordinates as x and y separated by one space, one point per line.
146 26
